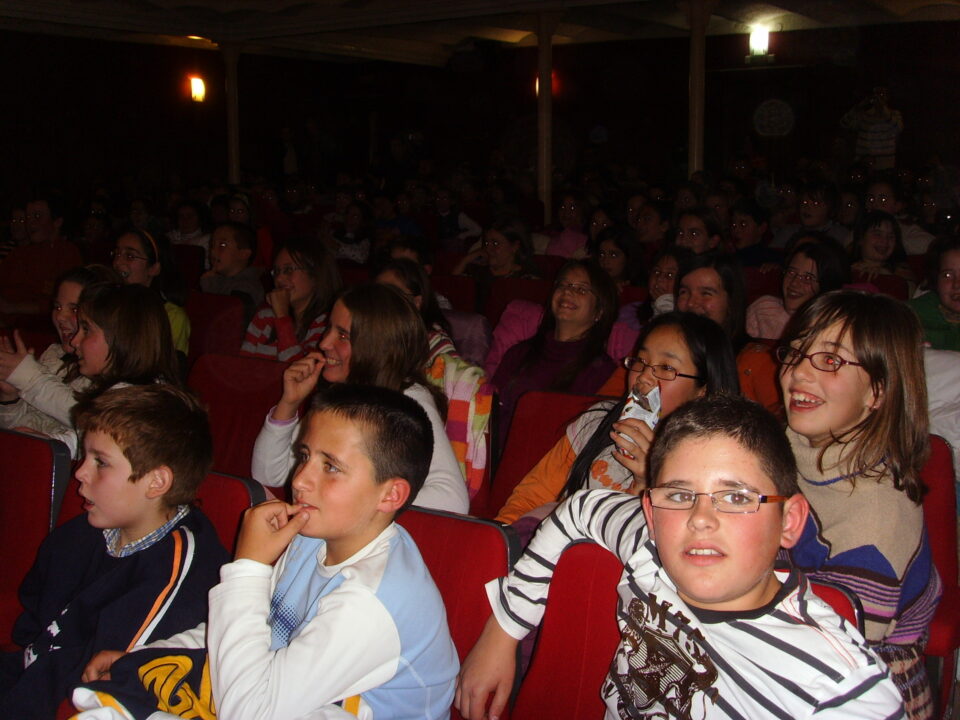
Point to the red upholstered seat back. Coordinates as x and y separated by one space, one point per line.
33 473
216 324
539 420
189 261
843 601
578 638
762 283
223 499
238 392
504 290
462 553
939 509
460 290
939 512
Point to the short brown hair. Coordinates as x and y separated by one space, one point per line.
397 435
753 427
154 425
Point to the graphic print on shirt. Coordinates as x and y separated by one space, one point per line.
661 672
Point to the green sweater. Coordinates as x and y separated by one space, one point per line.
937 330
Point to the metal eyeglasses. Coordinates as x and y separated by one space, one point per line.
823 361
661 372
733 501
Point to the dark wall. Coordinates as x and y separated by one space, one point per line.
78 112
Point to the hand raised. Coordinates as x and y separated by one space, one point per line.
636 444
299 380
279 300
12 354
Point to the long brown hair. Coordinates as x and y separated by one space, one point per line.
316 261
137 331
388 340
887 340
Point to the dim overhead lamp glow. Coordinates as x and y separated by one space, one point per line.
198 91
759 40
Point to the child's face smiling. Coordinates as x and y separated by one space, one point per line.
336 346
65 308
92 349
878 243
335 479
721 561
821 405
130 260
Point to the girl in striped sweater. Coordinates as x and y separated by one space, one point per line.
856 403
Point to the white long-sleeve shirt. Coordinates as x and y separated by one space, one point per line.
444 488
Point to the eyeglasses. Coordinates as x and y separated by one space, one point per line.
127 255
661 372
576 289
805 278
733 501
285 270
824 361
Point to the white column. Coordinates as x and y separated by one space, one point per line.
231 56
546 24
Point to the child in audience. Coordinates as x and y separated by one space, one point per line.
348 620
294 318
376 337
698 230
568 351
816 265
617 257
686 356
878 249
411 279
939 309
749 227
39 391
856 403
708 627
712 285
818 202
122 337
232 248
137 565
569 239
885 193
503 253
142 259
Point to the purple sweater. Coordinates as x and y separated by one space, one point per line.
511 382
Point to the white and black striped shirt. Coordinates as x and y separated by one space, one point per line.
793 658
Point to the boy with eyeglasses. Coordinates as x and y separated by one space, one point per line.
709 629
232 248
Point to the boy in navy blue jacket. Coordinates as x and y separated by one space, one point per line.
136 565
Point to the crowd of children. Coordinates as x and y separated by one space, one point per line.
790 422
